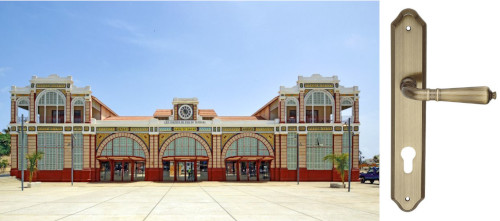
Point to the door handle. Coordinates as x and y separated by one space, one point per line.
408 96
473 95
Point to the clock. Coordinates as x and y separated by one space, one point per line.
185 112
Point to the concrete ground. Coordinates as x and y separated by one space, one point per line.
187 201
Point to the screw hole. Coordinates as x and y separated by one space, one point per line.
407 198
408 28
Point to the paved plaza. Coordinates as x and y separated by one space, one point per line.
187 201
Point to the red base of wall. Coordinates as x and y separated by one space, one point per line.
154 174
214 174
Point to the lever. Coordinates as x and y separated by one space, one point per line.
473 95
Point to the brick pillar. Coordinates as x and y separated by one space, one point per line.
337 143
355 151
218 159
88 110
153 149
195 111
302 151
355 111
31 143
282 149
13 151
68 107
86 151
32 107
302 112
67 150
282 110
337 108
13 110
92 151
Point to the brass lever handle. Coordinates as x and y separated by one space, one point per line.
474 95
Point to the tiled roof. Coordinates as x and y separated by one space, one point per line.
163 113
103 105
268 103
234 118
130 118
207 113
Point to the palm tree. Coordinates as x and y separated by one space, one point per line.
341 161
6 131
32 163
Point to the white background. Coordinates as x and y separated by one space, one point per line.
463 148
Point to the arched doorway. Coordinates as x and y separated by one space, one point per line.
185 158
122 159
248 157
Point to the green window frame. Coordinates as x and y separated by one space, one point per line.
319 144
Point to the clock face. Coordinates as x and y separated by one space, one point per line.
185 112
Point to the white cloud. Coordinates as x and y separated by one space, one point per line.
3 70
123 25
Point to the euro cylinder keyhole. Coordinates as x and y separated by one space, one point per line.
408 154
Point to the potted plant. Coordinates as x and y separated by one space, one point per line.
341 161
32 164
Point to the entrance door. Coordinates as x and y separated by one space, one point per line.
186 171
252 171
264 171
243 171
168 170
139 170
121 171
231 171
105 171
202 171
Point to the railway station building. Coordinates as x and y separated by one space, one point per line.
183 142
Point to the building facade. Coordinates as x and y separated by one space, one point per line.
294 130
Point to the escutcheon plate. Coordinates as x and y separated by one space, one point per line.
408 51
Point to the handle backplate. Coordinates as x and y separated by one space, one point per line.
408 39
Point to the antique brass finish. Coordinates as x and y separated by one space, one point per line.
408 96
473 95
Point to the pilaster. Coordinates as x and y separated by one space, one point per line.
32 106
302 112
337 108
302 150
67 150
13 110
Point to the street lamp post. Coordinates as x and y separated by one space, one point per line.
298 172
350 153
72 162
22 152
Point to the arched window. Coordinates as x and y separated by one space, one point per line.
78 107
23 106
247 146
292 110
50 107
123 146
319 107
185 146
346 103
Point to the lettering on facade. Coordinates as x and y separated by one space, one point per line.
302 128
31 128
283 128
231 129
264 129
105 129
292 128
318 85
47 128
319 128
248 129
338 128
356 128
78 128
51 85
122 129
139 129
185 129
67 128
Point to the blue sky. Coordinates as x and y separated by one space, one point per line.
233 56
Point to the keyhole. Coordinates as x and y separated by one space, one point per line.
408 153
